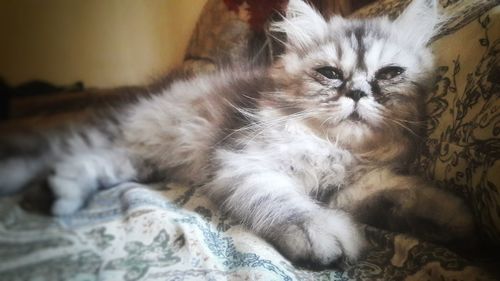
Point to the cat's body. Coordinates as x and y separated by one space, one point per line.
293 151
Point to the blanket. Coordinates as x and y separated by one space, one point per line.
172 232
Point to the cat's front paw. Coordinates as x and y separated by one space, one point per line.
326 237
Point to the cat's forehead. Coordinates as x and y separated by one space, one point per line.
358 29
361 44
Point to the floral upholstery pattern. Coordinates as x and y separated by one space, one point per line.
463 144
157 232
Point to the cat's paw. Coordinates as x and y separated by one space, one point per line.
71 184
436 215
428 213
67 195
325 238
456 220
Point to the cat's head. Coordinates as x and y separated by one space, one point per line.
356 76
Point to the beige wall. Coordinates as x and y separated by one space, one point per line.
104 43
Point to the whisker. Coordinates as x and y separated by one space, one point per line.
263 126
257 127
404 127
406 121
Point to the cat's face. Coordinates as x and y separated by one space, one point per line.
356 77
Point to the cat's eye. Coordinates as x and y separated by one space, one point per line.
330 72
389 72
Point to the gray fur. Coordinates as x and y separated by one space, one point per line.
268 144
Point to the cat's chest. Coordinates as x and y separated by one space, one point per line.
317 165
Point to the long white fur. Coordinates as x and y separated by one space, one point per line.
302 25
419 22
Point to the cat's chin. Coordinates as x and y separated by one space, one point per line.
354 132
354 117
356 122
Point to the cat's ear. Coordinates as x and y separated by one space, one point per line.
419 22
302 25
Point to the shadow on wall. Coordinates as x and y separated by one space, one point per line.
104 43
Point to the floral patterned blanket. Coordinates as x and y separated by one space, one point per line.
136 232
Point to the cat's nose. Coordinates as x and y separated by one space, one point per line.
356 94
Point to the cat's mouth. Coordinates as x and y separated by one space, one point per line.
354 116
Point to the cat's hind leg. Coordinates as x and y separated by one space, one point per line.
77 176
23 159
407 204
16 173
433 214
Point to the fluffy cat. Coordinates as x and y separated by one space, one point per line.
297 152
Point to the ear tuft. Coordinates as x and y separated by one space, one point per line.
303 25
420 21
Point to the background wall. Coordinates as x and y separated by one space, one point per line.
103 43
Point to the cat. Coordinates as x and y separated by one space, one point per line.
299 152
